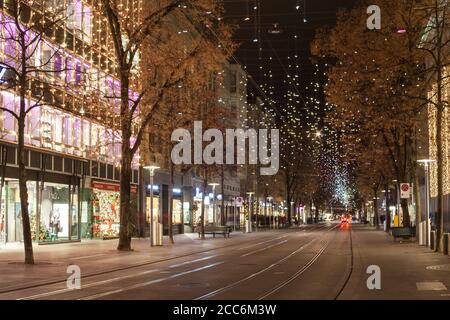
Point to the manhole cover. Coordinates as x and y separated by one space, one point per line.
442 267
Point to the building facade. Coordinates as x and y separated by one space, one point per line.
73 151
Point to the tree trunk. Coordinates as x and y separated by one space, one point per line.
21 154
405 213
388 213
222 186
440 180
202 216
125 199
375 209
126 169
27 241
417 196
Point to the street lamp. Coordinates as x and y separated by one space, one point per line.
152 169
426 163
250 220
214 185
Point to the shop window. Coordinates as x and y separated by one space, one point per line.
106 212
177 211
59 212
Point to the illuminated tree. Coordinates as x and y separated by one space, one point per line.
373 75
129 37
33 75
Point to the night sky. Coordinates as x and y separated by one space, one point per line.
276 47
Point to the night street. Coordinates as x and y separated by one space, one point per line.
328 261
177 154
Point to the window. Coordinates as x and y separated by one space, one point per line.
67 131
78 72
69 69
74 14
80 18
58 128
58 65
47 55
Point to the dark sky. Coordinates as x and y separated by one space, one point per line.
311 15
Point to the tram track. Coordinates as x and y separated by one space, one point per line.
245 244
39 284
272 266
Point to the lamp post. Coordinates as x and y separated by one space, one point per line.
214 185
250 218
152 169
426 164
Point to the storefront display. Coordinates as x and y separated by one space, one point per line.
187 214
106 214
177 218
57 222
106 210
3 216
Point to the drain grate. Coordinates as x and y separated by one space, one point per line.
442 267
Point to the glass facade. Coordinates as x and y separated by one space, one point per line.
53 210
177 211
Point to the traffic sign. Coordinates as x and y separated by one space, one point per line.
405 190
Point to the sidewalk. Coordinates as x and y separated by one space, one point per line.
408 271
97 256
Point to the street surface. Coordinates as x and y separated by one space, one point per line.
325 261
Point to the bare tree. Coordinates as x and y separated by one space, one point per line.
31 75
135 115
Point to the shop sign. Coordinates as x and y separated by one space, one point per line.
110 187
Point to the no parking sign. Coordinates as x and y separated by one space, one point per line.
405 190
